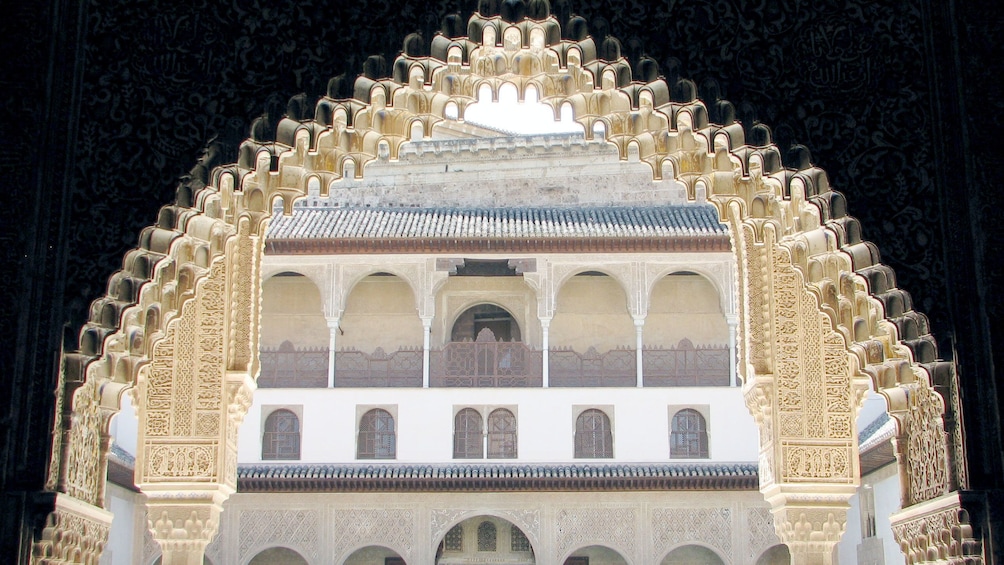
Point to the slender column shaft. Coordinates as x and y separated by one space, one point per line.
332 336
426 346
545 325
639 325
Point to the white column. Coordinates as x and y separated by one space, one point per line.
332 334
426 345
545 324
639 324
733 322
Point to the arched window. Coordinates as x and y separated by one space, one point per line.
454 540
689 436
467 442
281 439
518 540
487 537
377 439
593 438
501 434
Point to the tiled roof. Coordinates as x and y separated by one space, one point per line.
495 477
673 227
389 222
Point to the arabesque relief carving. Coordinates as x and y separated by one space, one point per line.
818 312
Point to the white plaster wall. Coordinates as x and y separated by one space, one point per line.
887 501
124 537
546 420
124 427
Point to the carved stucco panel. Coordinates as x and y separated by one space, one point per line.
674 526
812 375
86 450
295 528
926 449
760 533
442 519
575 528
183 412
390 527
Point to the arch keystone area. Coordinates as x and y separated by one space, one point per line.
820 319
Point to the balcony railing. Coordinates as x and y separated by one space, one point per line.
288 367
486 363
617 367
490 363
686 365
403 368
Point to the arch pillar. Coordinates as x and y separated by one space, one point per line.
798 385
193 395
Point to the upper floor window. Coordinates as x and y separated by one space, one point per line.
593 436
467 435
689 435
377 439
487 537
501 434
281 439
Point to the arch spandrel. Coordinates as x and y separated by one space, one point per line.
798 268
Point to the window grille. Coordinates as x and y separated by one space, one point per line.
501 434
454 540
593 437
377 439
518 540
689 436
281 439
467 435
487 537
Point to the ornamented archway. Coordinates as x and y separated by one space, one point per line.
820 318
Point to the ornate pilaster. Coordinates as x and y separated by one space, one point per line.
75 532
192 406
801 394
937 531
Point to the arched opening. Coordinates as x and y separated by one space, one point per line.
278 556
775 555
294 333
475 320
595 555
692 555
686 336
379 336
592 334
374 555
485 539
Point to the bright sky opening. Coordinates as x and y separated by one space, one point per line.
529 117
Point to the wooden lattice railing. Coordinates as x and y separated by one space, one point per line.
489 363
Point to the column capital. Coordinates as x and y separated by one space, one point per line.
183 522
